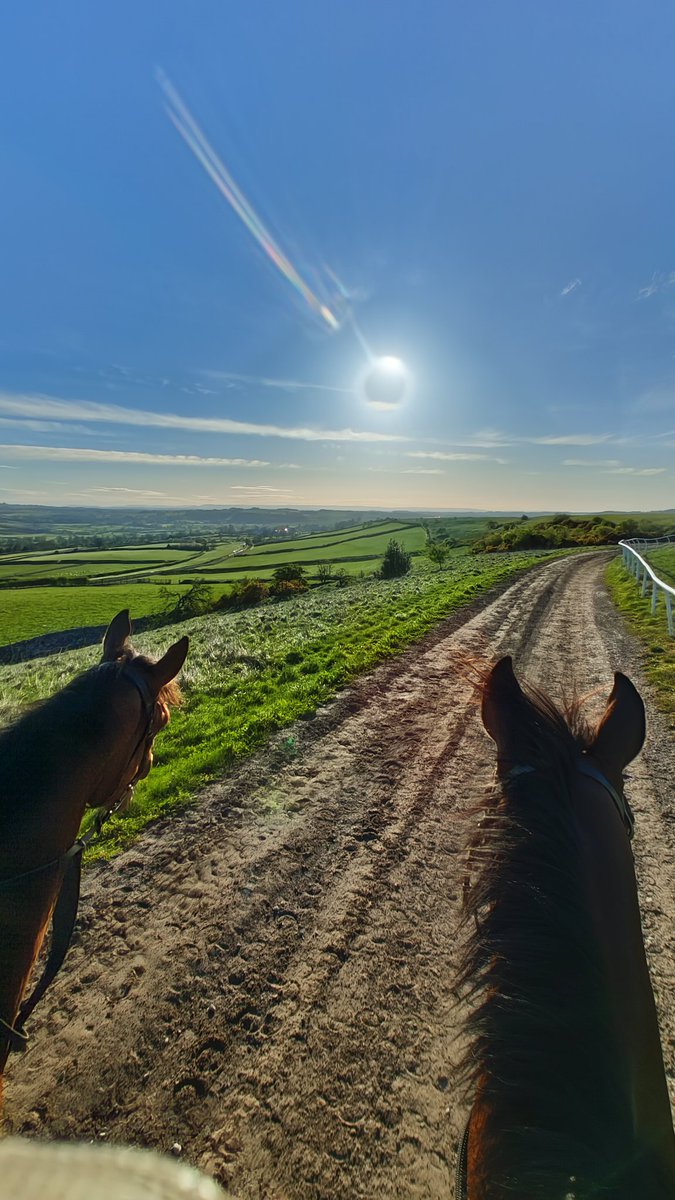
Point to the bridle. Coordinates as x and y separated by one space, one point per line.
584 767
65 909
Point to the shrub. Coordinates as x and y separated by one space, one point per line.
245 593
437 551
396 561
289 572
194 602
285 589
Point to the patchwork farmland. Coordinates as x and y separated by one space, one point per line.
63 589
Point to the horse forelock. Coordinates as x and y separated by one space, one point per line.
541 1052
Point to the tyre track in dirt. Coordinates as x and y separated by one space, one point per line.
267 979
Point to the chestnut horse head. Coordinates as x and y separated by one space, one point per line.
564 1061
85 747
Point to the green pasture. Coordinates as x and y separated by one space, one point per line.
30 611
658 648
87 564
664 521
663 561
250 674
364 552
316 541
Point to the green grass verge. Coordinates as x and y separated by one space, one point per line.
252 673
651 631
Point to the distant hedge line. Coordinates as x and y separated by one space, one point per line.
559 532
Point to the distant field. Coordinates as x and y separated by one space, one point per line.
28 611
355 551
92 564
663 562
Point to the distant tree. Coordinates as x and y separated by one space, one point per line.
437 552
194 602
396 561
524 517
288 571
324 571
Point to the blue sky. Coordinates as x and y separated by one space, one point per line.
493 184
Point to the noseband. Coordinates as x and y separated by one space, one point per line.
584 767
65 909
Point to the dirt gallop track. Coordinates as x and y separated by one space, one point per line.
267 980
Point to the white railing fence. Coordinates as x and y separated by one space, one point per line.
633 550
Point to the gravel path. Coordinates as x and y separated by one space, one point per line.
267 979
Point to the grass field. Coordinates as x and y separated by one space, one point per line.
30 611
663 561
91 564
252 673
652 632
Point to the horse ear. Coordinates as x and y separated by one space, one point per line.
621 732
116 637
168 667
502 697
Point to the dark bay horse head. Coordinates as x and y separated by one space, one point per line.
564 1061
84 747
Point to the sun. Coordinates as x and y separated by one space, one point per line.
384 383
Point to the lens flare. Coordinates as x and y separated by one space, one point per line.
194 138
385 382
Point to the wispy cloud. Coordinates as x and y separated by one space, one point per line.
156 499
571 439
423 471
611 466
43 426
137 458
459 456
48 408
284 385
635 471
571 287
261 487
659 282
591 462
126 491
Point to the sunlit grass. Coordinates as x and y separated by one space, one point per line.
652 632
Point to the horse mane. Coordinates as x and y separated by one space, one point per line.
541 1058
42 735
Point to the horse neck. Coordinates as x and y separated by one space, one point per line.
610 881
551 1078
47 780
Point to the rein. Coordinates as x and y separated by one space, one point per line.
65 909
624 810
